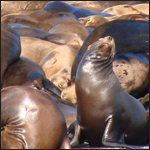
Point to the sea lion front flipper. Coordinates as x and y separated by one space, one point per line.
112 137
78 138
45 84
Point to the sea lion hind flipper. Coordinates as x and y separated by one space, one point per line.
112 137
78 137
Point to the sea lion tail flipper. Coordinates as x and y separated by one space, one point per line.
112 136
78 137
45 84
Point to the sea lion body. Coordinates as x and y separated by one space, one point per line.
30 119
137 42
24 30
24 72
106 114
58 6
10 48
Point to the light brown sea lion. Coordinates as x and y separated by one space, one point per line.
26 20
128 9
52 17
106 114
70 27
30 119
28 5
24 30
69 94
145 102
132 71
55 70
90 5
92 21
10 48
6 8
36 49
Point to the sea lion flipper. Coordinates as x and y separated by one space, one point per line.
77 139
45 84
112 137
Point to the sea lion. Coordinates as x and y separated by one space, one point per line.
24 72
24 30
128 9
30 119
75 28
132 71
105 114
6 8
10 48
56 71
90 5
52 17
59 6
92 21
26 20
36 49
69 94
145 102
28 5
137 42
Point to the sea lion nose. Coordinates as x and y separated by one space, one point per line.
110 38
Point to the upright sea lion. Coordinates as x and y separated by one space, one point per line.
10 48
59 6
106 114
137 42
30 119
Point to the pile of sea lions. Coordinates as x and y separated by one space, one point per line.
74 74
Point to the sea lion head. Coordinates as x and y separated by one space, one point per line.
102 49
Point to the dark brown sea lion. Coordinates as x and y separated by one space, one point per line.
27 73
30 119
105 114
10 48
137 42
59 6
